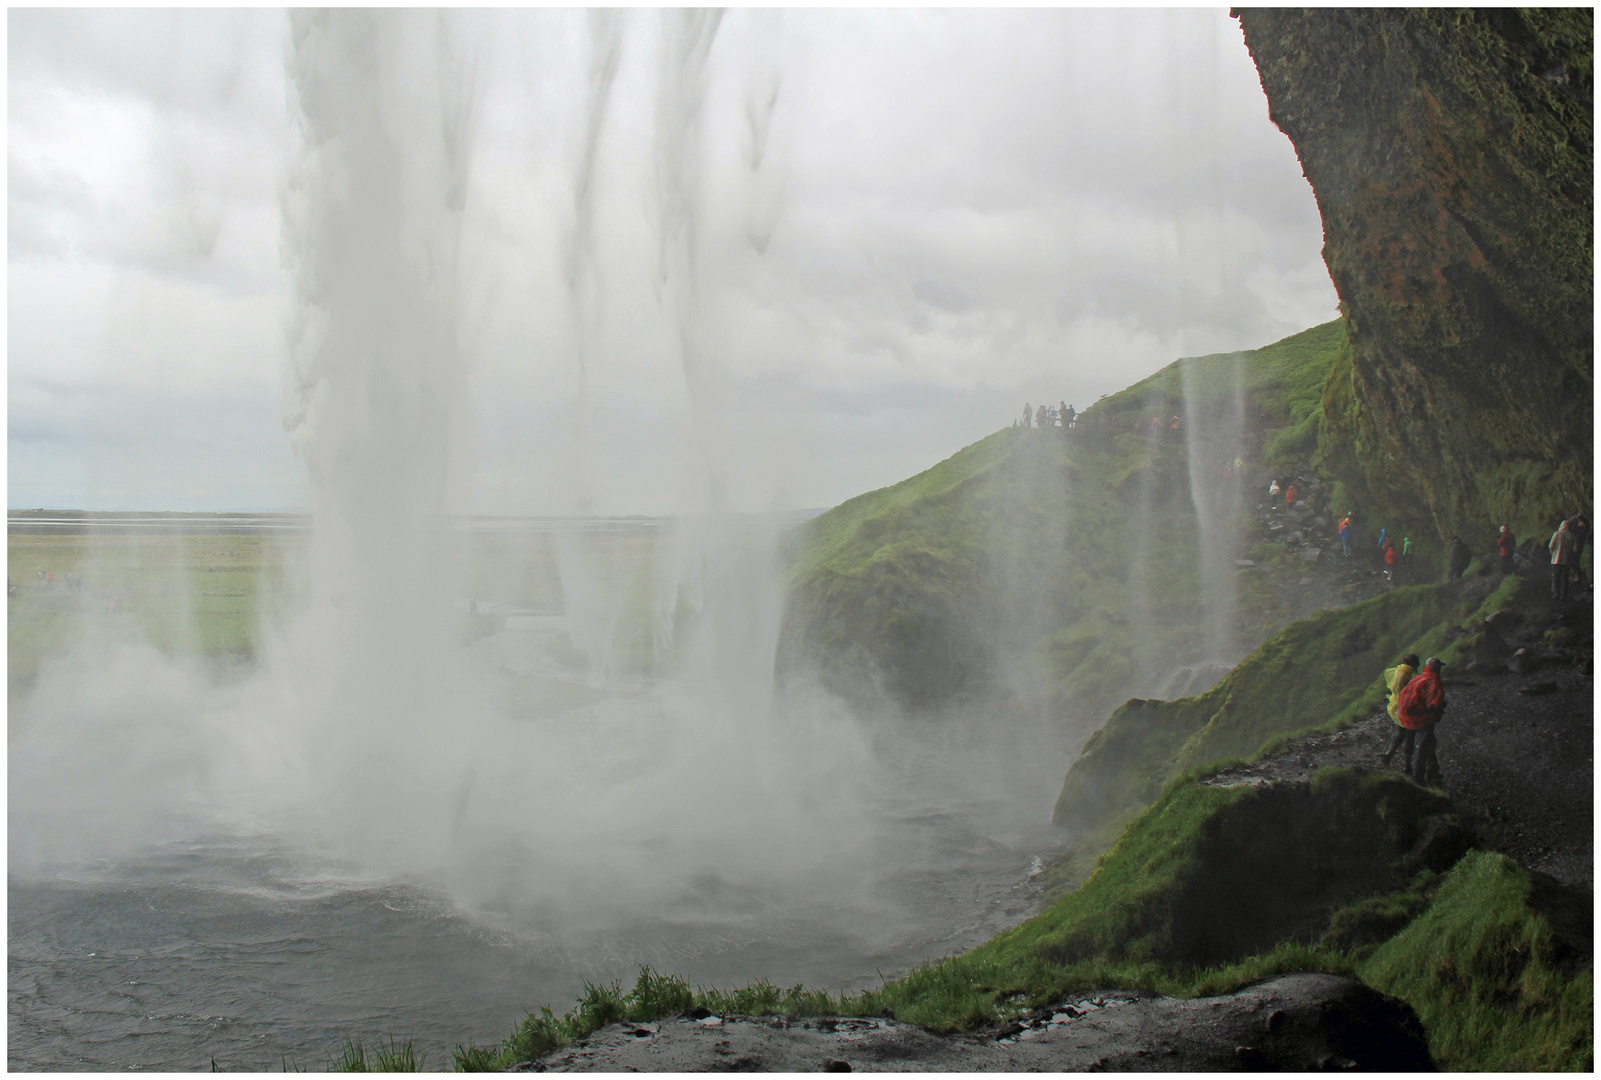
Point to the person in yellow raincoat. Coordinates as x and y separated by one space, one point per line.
1394 679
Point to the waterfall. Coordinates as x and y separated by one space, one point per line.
1214 419
372 225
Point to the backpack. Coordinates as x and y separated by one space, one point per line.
1413 708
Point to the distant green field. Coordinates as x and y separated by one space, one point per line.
198 595
206 595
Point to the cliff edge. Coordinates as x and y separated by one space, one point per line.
1451 153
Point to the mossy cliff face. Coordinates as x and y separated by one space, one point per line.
1452 159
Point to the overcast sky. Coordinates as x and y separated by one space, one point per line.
904 223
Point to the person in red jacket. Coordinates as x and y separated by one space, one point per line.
1505 545
1420 706
1389 562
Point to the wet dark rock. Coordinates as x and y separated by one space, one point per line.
1315 1021
1522 662
1488 646
1442 840
1447 210
1506 621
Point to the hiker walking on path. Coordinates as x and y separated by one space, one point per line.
1421 704
1563 546
1406 560
1505 545
1389 563
1396 679
1580 527
1460 557
1345 535
1384 538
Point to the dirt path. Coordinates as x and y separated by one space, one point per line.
1516 747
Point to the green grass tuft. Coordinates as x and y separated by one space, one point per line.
392 1057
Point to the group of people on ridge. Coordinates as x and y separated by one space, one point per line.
1047 416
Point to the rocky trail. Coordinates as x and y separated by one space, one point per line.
1516 745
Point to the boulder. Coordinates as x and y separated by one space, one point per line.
1294 1023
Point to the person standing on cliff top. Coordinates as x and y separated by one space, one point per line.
1405 738
1563 545
1420 707
1067 415
1505 546
1028 415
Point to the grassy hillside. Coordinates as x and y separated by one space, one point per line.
1051 567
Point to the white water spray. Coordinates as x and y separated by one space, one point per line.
599 782
1214 421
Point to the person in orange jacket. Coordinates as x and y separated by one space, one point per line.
1420 706
1505 546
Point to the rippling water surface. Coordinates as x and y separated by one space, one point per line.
242 951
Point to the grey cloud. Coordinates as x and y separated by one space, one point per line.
957 209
